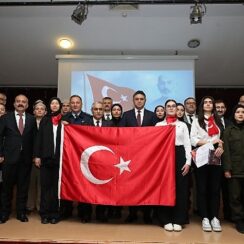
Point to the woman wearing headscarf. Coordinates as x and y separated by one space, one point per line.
117 112
207 129
114 212
173 218
234 166
47 153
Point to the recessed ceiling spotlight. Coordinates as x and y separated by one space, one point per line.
65 43
193 43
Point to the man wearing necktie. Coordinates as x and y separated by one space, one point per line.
190 115
190 109
136 117
17 132
107 105
221 110
99 121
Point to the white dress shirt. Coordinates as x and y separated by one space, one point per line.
193 116
106 115
95 122
198 133
141 113
182 137
17 118
55 128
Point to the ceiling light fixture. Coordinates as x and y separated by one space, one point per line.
198 11
79 15
65 43
193 43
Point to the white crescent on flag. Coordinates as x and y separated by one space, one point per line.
84 164
104 92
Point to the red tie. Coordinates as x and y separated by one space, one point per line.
138 117
21 123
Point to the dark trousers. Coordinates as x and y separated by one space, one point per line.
179 213
146 210
18 174
84 210
236 195
49 206
66 208
208 181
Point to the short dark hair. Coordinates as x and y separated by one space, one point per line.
219 101
107 98
75 96
188 98
139 92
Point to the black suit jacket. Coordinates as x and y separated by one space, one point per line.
129 119
44 144
12 143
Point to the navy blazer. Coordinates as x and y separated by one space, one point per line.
129 119
12 143
82 119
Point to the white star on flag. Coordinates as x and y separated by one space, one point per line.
124 98
123 165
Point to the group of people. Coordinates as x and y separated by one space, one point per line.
25 139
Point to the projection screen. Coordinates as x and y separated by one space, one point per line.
95 77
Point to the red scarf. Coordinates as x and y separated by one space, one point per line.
56 119
171 119
212 127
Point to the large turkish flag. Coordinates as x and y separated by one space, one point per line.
118 166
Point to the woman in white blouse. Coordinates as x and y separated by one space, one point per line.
207 129
174 217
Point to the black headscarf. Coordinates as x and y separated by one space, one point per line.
240 125
116 120
50 113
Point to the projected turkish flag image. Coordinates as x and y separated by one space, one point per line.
102 88
131 166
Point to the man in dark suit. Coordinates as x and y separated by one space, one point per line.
99 120
78 117
190 109
107 105
221 110
17 131
138 116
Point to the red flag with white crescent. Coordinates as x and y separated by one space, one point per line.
102 88
131 166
